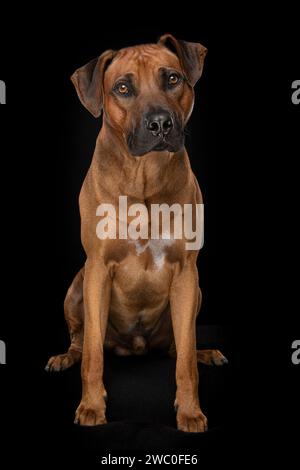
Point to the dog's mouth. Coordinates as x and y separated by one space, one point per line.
160 144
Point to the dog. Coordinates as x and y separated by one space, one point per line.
133 296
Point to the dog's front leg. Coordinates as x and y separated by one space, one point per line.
184 298
96 295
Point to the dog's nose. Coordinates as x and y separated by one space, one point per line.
160 123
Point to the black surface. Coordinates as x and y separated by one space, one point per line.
244 148
140 412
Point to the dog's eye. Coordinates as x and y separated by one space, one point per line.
173 79
122 89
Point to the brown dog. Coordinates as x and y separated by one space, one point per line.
132 296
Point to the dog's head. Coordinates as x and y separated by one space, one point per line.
146 92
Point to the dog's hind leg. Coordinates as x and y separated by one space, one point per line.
211 357
74 315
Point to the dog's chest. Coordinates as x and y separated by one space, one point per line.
141 284
155 251
146 270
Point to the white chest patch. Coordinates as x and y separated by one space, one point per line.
157 248
158 253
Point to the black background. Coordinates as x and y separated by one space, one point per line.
243 149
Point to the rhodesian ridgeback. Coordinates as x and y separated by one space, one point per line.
135 295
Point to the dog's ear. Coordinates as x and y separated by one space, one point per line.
191 55
88 81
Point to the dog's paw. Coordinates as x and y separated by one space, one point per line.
211 357
62 361
90 414
194 421
217 358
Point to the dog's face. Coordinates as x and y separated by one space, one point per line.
146 92
147 97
